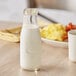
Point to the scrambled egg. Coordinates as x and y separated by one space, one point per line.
53 32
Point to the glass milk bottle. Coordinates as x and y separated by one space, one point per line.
30 41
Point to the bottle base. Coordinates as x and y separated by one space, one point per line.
31 70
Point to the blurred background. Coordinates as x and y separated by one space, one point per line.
56 4
13 9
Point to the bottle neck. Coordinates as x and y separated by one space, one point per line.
30 20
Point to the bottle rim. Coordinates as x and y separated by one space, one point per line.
30 11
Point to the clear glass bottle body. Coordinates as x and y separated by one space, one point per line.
30 41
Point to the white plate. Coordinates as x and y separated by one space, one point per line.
61 16
55 43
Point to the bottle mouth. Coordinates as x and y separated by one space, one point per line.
30 11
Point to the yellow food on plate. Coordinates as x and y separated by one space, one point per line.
53 32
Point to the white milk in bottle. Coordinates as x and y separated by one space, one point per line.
30 41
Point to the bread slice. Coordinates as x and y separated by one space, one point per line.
4 35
